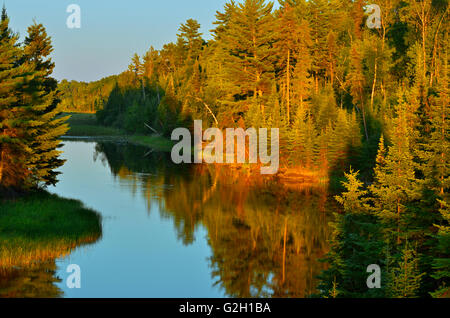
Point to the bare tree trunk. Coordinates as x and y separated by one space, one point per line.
434 64
364 119
316 82
288 85
143 89
424 52
383 91
157 93
374 84
284 249
398 222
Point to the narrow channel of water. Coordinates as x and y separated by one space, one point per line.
183 231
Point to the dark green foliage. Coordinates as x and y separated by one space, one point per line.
29 127
356 243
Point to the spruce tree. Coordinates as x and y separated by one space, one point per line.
395 187
405 276
43 99
441 261
14 124
355 243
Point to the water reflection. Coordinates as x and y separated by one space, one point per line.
266 239
37 281
182 231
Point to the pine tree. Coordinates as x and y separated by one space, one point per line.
303 140
137 68
288 38
436 143
247 45
395 187
302 82
319 18
357 83
405 277
47 127
191 39
436 170
441 262
355 243
14 76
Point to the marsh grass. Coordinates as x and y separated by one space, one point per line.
43 226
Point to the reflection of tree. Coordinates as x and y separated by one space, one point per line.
266 240
249 249
38 281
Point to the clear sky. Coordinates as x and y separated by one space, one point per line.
111 30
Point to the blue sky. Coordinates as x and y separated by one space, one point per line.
111 30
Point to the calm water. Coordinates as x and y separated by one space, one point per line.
182 231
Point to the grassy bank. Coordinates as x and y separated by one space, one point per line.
86 125
43 226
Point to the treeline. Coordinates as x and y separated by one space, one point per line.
84 97
311 68
29 126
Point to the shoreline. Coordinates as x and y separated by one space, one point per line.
41 226
84 127
154 142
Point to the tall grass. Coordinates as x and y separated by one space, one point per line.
42 226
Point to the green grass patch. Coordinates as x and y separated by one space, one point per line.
81 119
94 131
155 141
86 125
42 226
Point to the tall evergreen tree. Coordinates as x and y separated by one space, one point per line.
14 77
44 99
248 65
396 186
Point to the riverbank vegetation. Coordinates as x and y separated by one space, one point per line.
40 227
29 126
86 125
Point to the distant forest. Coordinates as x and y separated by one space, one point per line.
370 102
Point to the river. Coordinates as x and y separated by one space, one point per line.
183 230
